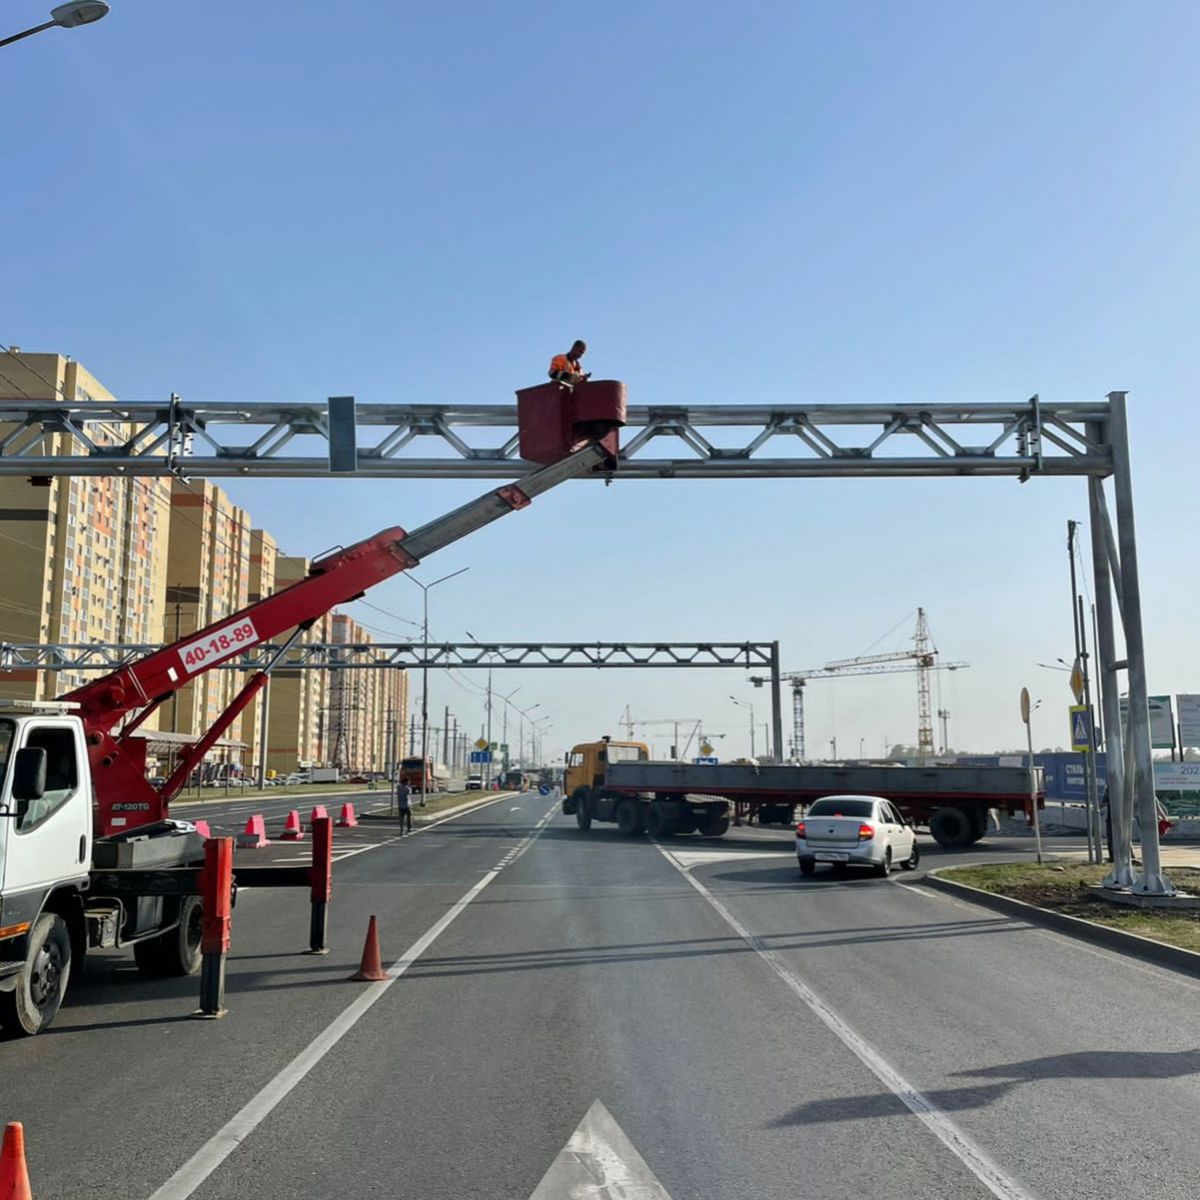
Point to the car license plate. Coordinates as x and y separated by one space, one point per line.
832 856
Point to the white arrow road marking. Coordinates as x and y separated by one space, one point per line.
599 1163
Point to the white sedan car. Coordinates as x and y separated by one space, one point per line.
863 831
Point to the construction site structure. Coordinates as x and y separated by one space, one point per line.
922 659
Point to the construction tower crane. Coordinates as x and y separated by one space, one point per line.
922 659
631 722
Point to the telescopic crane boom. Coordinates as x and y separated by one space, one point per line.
125 798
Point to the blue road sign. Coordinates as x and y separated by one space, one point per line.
544 789
1081 727
710 760
481 756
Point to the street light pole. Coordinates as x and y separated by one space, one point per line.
488 735
426 588
750 706
65 16
521 736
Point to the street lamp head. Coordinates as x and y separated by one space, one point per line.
79 12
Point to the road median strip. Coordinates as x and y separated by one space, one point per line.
439 806
1056 896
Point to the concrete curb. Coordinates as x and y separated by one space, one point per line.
1132 944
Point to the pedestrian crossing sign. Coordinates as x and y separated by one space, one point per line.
1081 728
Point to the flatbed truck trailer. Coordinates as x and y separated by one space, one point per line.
617 782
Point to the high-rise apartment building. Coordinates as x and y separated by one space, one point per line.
366 708
298 708
85 557
208 578
263 554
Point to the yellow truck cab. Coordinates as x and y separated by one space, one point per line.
587 762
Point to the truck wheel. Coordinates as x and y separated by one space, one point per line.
629 817
176 952
950 828
34 1002
979 823
714 824
583 812
658 822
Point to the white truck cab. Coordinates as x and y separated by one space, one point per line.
49 910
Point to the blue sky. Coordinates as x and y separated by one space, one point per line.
734 204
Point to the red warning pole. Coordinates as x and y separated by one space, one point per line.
216 892
321 883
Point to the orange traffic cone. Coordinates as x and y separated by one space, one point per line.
293 831
369 971
14 1178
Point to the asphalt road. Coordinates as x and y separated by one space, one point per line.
751 1034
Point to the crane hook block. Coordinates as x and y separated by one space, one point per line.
555 420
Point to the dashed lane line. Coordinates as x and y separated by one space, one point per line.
184 1182
957 1141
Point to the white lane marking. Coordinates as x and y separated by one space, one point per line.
916 887
706 858
515 808
963 1147
599 1163
244 1122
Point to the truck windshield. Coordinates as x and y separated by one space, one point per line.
625 753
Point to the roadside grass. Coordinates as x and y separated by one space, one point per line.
1062 887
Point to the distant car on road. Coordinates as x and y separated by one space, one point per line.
863 831
474 783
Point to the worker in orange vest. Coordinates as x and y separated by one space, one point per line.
566 368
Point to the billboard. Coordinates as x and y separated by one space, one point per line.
1162 721
1189 719
1177 777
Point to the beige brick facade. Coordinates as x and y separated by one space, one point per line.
84 559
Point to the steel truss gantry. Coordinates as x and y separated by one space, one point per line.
101 656
338 656
433 441
1022 440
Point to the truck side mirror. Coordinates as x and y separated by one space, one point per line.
29 774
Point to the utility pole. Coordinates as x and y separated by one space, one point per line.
944 717
426 588
1095 837
446 736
